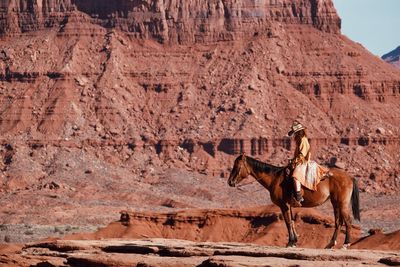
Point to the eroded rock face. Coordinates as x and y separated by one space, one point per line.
170 20
28 15
111 100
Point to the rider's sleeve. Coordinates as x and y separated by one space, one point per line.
304 148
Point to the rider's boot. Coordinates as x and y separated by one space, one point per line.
297 198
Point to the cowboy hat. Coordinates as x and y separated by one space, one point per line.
297 126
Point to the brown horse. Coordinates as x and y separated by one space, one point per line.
340 188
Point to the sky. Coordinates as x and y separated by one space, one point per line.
373 23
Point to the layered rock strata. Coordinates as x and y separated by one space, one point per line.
119 96
170 252
171 21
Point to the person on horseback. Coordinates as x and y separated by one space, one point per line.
301 157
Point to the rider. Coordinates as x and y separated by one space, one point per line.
301 156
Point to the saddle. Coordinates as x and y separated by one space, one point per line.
311 177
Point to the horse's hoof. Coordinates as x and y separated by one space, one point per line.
346 246
291 245
330 245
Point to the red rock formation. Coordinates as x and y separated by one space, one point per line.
99 94
161 239
263 225
379 240
173 252
173 21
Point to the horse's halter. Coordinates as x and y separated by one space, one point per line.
238 173
244 163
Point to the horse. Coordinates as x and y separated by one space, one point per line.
340 188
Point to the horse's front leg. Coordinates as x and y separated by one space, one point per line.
288 221
292 224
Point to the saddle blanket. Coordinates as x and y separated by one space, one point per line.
309 174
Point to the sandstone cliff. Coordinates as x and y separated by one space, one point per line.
171 21
127 101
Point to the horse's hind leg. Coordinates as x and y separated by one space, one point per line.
338 225
344 212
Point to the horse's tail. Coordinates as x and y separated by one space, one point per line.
355 201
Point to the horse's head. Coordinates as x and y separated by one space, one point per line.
239 171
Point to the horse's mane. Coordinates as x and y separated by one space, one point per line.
262 166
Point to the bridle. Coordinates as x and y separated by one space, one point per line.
244 164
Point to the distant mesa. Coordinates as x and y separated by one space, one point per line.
393 57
